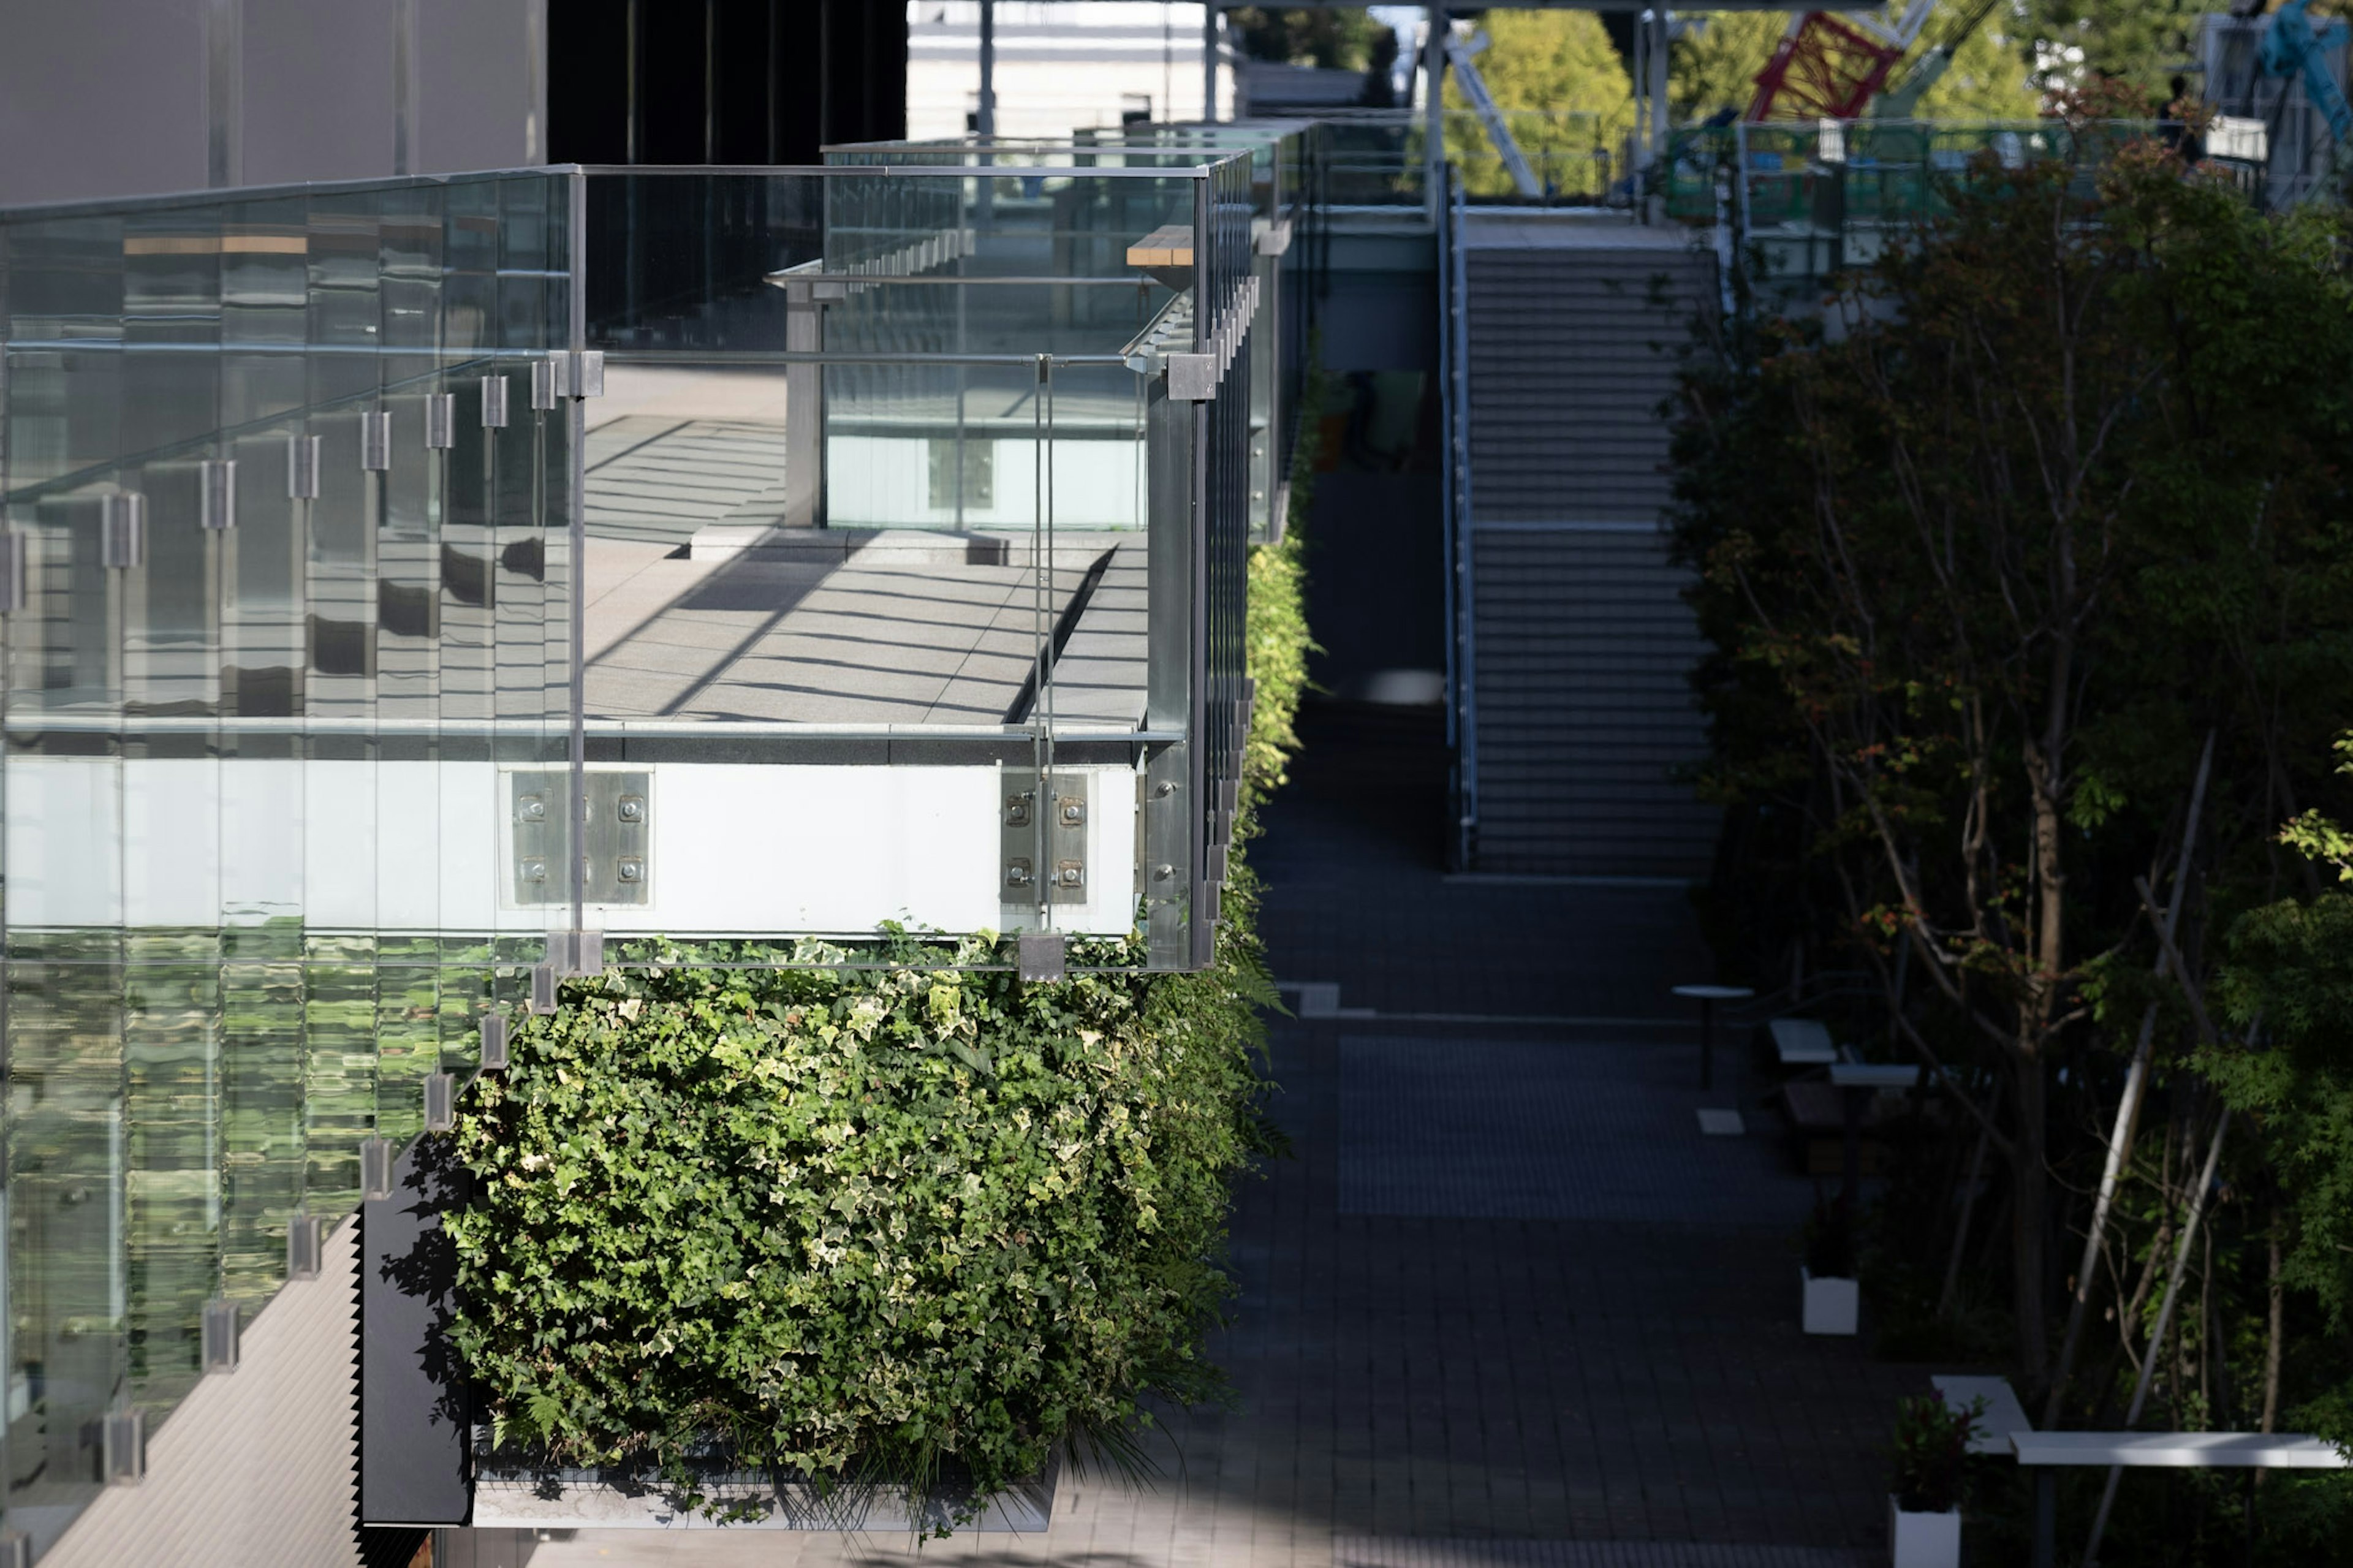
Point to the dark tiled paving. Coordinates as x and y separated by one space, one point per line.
1538 1130
1608 1375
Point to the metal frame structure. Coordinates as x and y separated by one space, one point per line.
315 515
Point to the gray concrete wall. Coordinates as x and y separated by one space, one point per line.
120 98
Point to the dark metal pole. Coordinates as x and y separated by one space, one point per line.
1433 152
1850 1104
1209 62
1707 1042
985 121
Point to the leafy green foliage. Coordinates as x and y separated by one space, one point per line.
854 1220
2138 43
846 1224
1560 63
1991 549
2290 975
1932 1451
1335 38
1714 67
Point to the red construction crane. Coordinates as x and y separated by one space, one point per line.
1827 66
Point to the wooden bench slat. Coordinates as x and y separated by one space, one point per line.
1171 245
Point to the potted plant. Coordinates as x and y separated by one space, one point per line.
1931 1457
1832 1302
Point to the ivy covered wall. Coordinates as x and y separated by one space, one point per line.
890 1222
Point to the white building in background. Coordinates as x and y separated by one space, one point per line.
1062 64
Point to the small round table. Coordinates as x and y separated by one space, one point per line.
1707 996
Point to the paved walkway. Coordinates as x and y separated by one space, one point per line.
1505 1306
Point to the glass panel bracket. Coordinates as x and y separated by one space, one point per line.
220 1336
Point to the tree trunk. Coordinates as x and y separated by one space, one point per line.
2029 1185
2272 1329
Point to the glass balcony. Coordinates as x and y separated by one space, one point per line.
1284 239
409 585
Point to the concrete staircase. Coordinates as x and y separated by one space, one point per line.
1581 722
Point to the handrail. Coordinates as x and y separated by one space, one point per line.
1461 651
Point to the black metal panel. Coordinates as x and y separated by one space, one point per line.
723 81
414 1411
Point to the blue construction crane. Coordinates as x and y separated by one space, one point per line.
2293 48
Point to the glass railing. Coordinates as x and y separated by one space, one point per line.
1376 161
1284 214
1813 198
417 590
268 602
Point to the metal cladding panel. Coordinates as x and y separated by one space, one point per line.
414 1411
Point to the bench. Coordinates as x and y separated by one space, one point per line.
2178 1450
1166 254
2003 1415
2046 1451
1801 1042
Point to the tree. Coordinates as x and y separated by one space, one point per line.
1714 68
2065 492
1986 79
2140 43
1557 75
1333 38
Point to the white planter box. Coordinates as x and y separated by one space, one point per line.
1924 1539
1832 1305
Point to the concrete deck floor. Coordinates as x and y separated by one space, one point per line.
820 627
1505 1308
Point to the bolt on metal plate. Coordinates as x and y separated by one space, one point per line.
1059 854
494 403
494 1042
440 421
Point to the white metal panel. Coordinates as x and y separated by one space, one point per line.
738 848
262 839
171 842
835 851
409 845
65 841
339 852
885 482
